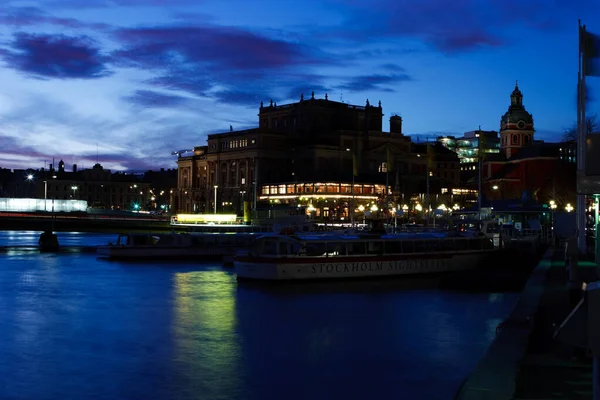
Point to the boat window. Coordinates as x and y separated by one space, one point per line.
357 248
374 247
295 247
393 247
315 249
269 247
447 245
461 244
283 248
475 244
336 249
420 246
432 245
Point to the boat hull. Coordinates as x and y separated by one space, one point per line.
305 268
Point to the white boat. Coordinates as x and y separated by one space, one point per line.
278 257
174 245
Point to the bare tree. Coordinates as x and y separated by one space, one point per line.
592 124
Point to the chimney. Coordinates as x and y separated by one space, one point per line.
74 167
396 124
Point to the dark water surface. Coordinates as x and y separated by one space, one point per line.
74 327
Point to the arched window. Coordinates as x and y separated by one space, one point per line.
515 139
525 139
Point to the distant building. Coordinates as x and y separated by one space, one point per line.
99 187
526 169
469 148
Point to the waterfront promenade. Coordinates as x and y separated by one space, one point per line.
525 361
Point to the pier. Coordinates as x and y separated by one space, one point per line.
525 361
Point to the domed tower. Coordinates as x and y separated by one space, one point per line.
516 125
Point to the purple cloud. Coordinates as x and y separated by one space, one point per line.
31 16
55 56
374 82
210 47
455 26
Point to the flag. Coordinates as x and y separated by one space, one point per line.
354 164
589 48
390 160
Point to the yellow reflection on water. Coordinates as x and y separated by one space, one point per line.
206 342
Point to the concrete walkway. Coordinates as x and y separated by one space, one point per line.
524 361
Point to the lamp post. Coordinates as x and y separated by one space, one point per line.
45 194
361 208
215 210
242 193
73 188
552 208
352 189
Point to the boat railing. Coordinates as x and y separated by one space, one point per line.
325 247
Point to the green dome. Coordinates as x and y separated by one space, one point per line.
516 112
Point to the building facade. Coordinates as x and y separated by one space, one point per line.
470 148
328 155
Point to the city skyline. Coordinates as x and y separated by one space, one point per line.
125 83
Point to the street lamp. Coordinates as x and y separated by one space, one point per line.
242 193
352 188
569 207
361 208
216 186
73 188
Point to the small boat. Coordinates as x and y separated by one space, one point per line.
280 257
48 242
174 245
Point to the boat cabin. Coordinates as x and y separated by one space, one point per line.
282 246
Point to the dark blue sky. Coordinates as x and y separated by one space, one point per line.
128 81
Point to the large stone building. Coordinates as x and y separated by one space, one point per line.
312 152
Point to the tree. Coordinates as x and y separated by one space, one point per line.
592 124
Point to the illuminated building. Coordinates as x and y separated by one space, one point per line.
311 152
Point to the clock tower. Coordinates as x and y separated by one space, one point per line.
516 126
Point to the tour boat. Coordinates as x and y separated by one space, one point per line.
174 246
280 257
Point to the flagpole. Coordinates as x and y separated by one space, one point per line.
580 205
427 181
387 183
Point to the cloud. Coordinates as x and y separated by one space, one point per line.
210 47
82 4
153 99
20 17
376 82
55 56
239 97
448 26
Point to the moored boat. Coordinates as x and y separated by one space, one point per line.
174 246
279 257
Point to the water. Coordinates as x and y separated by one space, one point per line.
75 327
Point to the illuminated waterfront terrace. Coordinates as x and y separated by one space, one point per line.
323 190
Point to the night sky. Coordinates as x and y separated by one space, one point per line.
126 82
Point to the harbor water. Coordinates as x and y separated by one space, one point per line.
77 327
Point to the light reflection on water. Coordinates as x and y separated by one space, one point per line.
75 327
